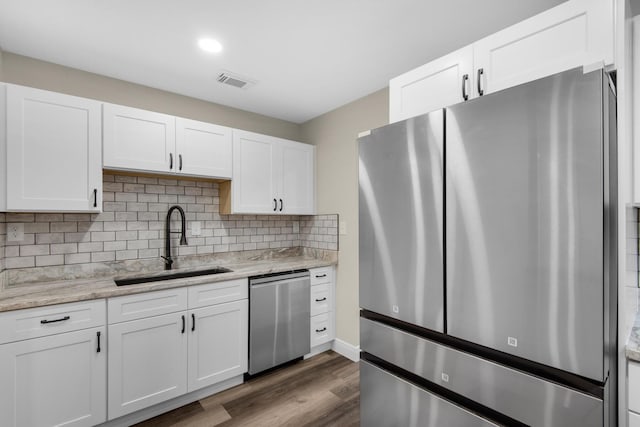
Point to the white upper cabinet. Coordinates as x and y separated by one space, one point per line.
203 149
298 173
137 139
573 34
270 176
445 81
254 170
50 144
146 141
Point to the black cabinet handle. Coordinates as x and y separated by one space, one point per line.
95 197
98 349
321 299
318 276
62 319
281 204
180 161
321 330
193 322
170 161
480 74
183 323
465 79
275 205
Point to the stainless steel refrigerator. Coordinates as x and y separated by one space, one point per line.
488 260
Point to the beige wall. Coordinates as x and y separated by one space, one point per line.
45 75
334 135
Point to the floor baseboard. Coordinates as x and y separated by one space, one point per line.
349 351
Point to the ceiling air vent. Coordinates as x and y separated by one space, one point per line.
234 80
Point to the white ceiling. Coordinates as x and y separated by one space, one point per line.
308 56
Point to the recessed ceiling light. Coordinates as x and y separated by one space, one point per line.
210 45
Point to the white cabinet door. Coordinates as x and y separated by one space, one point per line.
203 149
573 34
254 167
298 178
217 343
147 362
137 139
271 175
54 380
442 82
53 152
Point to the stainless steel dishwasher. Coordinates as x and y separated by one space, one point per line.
279 322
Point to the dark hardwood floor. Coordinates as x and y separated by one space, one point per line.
321 391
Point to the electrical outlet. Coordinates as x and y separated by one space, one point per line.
196 228
15 232
343 228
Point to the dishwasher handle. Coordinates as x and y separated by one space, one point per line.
284 277
279 282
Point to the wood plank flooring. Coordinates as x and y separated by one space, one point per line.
321 391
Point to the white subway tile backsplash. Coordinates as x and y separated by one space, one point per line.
132 225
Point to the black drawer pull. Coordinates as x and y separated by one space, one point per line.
193 320
321 330
321 299
62 319
98 349
170 161
319 276
95 197
275 205
183 323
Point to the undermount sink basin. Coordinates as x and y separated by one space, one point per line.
170 276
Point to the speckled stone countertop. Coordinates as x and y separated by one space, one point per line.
28 295
633 344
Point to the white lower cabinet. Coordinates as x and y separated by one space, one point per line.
634 419
58 379
322 306
182 346
218 343
147 362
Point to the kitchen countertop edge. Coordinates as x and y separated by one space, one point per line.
632 349
77 290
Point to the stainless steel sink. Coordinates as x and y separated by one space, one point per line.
170 276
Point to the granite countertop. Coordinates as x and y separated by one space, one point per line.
64 291
632 349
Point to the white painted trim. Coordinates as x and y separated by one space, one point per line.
318 349
347 350
172 404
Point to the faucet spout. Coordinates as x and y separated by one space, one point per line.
168 261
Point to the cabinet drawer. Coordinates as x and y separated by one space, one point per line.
634 419
321 299
42 321
322 329
321 275
218 293
132 307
